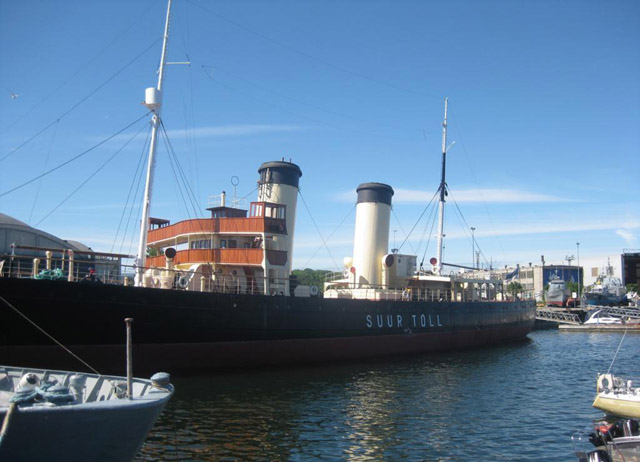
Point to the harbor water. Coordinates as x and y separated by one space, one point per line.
520 402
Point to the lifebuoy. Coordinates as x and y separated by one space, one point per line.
605 382
313 290
183 282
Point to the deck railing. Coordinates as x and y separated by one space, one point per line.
206 226
206 280
85 271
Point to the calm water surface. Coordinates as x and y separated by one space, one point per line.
518 402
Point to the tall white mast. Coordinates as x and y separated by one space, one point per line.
153 100
442 189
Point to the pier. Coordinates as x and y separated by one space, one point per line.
571 321
622 311
561 317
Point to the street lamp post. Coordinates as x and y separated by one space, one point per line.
473 248
578 245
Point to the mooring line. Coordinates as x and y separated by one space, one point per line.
48 335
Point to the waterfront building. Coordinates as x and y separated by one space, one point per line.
534 278
18 239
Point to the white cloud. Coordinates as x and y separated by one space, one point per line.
235 130
626 235
467 196
216 131
532 228
515 229
477 195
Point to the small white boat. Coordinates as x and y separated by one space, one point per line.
602 317
70 416
617 396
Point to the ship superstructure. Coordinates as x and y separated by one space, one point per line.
235 250
607 290
373 273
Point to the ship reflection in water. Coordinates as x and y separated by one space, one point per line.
514 402
325 413
349 412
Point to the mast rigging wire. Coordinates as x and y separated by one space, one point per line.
172 153
137 198
484 203
372 131
80 69
308 56
140 190
176 183
617 350
237 77
403 232
91 176
324 242
419 218
198 217
81 101
431 219
48 335
466 227
44 168
181 181
133 181
330 236
74 158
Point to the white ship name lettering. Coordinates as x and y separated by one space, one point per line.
389 321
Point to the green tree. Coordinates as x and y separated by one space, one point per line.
514 288
632 287
573 287
310 277
153 252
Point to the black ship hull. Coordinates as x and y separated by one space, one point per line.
180 330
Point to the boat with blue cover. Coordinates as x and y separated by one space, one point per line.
61 415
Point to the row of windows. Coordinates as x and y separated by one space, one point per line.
224 244
201 244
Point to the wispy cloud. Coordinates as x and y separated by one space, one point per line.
219 131
515 229
235 130
627 236
466 196
533 228
478 195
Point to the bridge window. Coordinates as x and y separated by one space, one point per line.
268 210
201 244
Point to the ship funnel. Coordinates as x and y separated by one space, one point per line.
371 240
278 184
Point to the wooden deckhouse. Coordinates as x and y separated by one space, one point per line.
232 250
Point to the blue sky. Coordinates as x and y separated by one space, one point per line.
544 100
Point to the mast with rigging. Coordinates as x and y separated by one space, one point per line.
153 100
443 191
